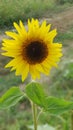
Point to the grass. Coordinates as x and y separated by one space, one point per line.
16 9
65 36
13 10
9 80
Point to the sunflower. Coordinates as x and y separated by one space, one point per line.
32 50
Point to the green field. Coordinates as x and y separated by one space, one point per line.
14 10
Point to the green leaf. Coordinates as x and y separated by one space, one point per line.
11 97
36 93
51 105
57 106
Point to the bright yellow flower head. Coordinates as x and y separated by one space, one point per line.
33 50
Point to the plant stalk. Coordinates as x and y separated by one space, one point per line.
72 120
34 108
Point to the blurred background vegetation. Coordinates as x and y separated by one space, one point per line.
13 10
60 81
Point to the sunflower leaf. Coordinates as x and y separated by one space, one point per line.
11 97
36 93
52 105
57 106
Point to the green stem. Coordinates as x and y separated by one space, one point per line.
72 120
34 116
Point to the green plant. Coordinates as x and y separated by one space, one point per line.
64 1
15 10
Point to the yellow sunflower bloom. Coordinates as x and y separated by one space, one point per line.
32 50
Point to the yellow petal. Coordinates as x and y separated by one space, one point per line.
40 68
51 35
20 66
13 35
14 62
17 27
34 73
23 28
25 72
11 42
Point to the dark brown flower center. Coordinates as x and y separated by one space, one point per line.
35 52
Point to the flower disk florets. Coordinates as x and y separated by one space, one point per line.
35 52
